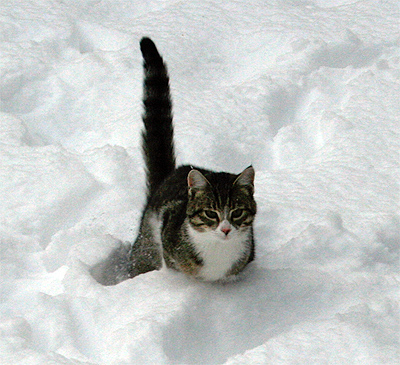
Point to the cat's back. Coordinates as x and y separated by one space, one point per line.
173 190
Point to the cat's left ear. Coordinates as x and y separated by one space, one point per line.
246 178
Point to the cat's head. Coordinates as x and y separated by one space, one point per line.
221 202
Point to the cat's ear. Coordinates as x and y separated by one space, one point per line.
196 180
246 178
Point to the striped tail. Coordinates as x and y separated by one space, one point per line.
157 142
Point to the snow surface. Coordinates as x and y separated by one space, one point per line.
306 91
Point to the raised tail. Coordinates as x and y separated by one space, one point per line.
157 142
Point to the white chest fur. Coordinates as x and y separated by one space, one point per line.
218 252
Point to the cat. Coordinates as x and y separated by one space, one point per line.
195 221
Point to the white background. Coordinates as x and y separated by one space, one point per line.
306 91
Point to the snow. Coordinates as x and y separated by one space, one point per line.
305 91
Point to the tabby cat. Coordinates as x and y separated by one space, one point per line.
196 221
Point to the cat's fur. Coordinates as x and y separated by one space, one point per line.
196 221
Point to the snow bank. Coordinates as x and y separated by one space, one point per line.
305 91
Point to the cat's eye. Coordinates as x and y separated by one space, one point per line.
211 214
237 213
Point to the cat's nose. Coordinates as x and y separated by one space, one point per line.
226 230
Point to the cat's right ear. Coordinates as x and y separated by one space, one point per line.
196 180
246 178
